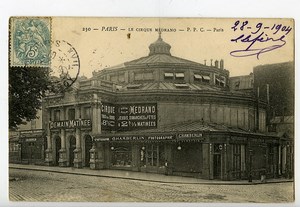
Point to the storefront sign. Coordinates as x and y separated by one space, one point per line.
136 138
108 116
189 135
30 140
34 131
67 124
137 116
125 117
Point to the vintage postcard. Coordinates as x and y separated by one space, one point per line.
192 110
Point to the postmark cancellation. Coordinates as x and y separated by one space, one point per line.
30 41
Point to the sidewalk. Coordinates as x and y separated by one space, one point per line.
140 176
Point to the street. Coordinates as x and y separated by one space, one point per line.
28 185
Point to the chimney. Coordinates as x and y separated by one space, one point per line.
204 62
221 64
211 60
217 64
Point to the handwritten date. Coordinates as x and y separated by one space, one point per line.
259 39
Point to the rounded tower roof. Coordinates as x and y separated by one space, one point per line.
159 47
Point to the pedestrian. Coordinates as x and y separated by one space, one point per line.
166 167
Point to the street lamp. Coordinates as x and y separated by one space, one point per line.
250 165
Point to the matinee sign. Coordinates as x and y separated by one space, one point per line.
67 124
137 116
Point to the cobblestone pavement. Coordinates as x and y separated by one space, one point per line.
27 185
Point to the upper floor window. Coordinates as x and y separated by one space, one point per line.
33 124
169 76
148 76
205 78
71 114
179 76
114 78
56 115
138 76
86 112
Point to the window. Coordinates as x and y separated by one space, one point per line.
122 77
71 114
220 80
179 76
121 155
148 76
197 77
56 115
33 124
87 112
206 78
114 78
181 85
236 160
155 155
169 76
237 84
138 76
134 86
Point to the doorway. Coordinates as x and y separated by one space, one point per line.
217 161
88 145
71 150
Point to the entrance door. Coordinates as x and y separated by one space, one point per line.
88 146
217 166
57 148
71 150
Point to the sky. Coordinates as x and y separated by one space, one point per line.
104 42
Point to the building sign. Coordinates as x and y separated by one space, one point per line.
69 124
137 116
30 140
33 131
189 136
108 116
125 117
136 138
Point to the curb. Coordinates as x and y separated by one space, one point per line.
148 180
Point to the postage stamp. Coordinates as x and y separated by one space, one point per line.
30 41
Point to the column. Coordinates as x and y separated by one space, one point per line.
78 150
63 152
48 151
96 120
135 157
279 160
205 155
211 161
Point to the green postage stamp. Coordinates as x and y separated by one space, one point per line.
30 43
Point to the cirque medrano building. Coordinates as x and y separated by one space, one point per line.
161 109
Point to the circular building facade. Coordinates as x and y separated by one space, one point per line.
161 114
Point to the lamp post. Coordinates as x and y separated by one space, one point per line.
250 166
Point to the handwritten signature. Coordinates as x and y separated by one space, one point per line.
263 38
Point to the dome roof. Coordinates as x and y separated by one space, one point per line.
159 47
